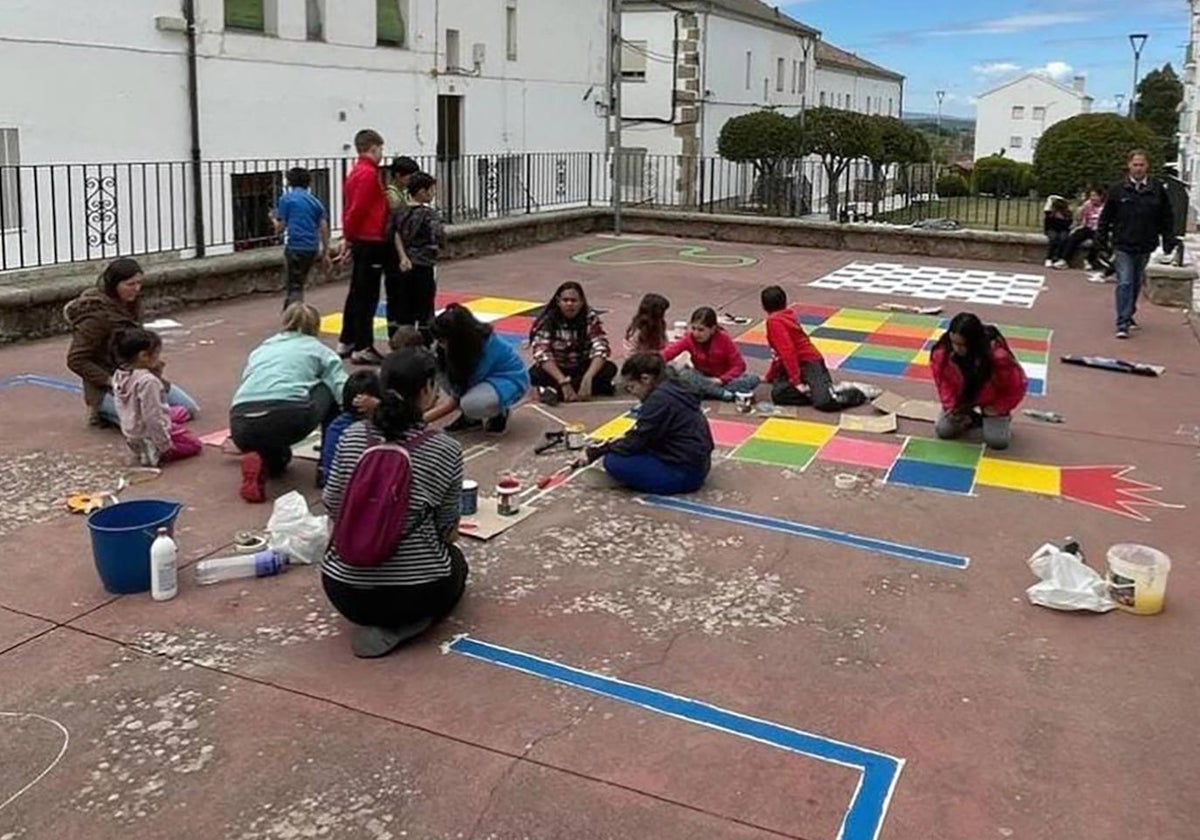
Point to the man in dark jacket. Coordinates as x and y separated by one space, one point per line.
669 450
1136 215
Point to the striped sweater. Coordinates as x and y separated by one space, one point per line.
422 555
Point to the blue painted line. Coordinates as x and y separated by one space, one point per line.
879 772
799 529
38 380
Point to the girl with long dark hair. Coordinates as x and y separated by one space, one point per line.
570 349
979 381
647 332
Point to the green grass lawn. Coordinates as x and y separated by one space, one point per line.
976 211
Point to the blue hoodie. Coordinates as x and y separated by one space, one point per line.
501 367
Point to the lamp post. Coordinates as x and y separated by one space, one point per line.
1137 41
941 95
1119 98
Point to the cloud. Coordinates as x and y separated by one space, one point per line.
1014 24
996 69
1059 71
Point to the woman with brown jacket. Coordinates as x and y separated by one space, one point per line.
94 318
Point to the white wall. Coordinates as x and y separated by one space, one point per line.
852 91
651 98
996 127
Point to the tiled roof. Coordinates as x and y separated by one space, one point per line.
753 9
827 53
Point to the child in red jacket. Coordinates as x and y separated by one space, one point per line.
718 370
979 381
364 226
798 374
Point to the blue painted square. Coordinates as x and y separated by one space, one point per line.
754 351
1037 387
883 367
928 476
840 335
811 319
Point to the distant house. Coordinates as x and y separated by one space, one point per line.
851 83
1012 118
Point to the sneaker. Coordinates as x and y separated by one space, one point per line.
1049 263
1134 326
254 478
1097 277
869 391
344 351
98 421
497 425
463 423
548 395
369 356
727 396
1060 264
1122 332
374 642
148 457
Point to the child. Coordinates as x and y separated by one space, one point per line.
362 382
718 370
365 228
1056 224
417 234
399 171
647 332
153 431
797 365
1089 218
301 217
407 336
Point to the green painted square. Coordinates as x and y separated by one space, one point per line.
1037 357
882 351
795 455
949 452
1025 332
914 320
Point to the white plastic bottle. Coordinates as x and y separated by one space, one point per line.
164 578
262 564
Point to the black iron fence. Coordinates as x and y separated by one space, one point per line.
65 213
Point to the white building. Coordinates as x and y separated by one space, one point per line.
1011 118
279 81
847 81
1189 116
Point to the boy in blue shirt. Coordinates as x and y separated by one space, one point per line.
301 217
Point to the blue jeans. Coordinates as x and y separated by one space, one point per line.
1131 271
647 473
709 390
176 396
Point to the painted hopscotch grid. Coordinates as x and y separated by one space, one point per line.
930 282
512 319
895 344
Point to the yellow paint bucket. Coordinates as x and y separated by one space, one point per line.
1137 578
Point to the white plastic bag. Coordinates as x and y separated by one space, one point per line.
296 532
1066 583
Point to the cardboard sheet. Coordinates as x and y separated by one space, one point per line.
880 425
890 403
486 523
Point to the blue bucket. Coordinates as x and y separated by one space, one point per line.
121 538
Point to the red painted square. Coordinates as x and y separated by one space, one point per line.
922 372
885 340
444 299
1021 343
513 325
729 434
842 449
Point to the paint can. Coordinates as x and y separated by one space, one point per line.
468 502
679 329
1137 578
576 436
744 400
845 481
508 503
248 542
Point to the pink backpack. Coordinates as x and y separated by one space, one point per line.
374 515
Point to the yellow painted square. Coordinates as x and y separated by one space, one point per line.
500 306
864 315
922 358
332 323
844 322
614 428
835 346
1019 475
795 431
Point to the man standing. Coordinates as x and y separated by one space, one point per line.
1137 213
364 226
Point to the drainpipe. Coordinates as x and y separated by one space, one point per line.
189 13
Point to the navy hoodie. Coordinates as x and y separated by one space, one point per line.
671 426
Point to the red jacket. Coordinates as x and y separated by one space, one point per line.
720 357
1002 393
365 208
790 346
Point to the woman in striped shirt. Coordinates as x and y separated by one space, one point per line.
426 574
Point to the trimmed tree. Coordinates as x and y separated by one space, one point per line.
766 139
838 138
898 143
1088 149
1003 177
1158 98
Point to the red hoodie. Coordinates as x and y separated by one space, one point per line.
1002 393
365 211
720 357
790 346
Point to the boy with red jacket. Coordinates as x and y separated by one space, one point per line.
796 362
364 226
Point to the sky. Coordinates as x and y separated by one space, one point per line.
967 47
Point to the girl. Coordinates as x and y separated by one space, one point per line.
427 572
570 349
153 430
1085 234
480 372
1056 224
95 317
670 449
289 388
647 332
718 370
979 381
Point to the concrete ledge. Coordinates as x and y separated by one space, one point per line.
1169 285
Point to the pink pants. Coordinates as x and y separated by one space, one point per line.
184 444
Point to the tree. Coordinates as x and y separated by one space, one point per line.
1157 107
767 139
1003 177
1088 149
838 138
897 143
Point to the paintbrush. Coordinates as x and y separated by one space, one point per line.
558 476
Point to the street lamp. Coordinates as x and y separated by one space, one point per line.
1120 100
1137 41
941 95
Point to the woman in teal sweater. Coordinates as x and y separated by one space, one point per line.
287 391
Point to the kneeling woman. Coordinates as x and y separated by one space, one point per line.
670 449
425 575
979 381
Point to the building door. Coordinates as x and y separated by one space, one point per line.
449 155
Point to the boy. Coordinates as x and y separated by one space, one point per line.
418 236
798 367
364 225
406 335
301 217
400 170
360 382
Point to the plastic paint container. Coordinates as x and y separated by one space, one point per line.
845 481
508 503
1137 578
576 437
744 401
468 502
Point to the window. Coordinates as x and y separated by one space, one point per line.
453 64
802 78
391 26
822 99
841 101
633 61
10 180
889 106
1018 112
780 64
1039 113
244 14
749 67
1014 142
510 31
314 20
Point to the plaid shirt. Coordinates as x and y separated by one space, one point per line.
569 347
